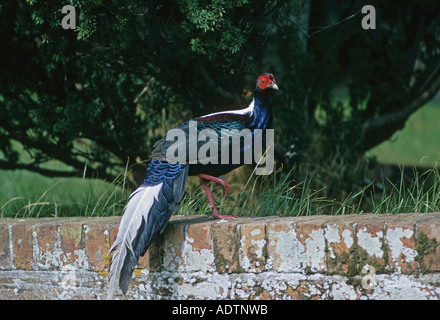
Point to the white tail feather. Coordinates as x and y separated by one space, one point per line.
138 208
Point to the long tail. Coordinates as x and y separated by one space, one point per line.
147 212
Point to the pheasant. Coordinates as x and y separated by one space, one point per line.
152 204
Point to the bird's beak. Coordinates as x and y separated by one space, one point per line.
273 86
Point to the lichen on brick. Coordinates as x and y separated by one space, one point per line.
371 244
212 257
196 260
425 246
314 254
285 250
400 254
106 257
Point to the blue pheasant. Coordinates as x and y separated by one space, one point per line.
152 204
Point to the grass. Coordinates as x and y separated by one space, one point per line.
418 144
34 196
421 195
31 195
27 194
277 195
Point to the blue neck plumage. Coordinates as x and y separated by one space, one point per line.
262 111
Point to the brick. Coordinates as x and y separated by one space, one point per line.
401 246
8 294
97 245
113 232
370 247
5 255
339 235
226 241
311 235
428 245
166 250
283 247
253 246
143 261
153 259
200 235
291 242
22 245
46 242
198 253
70 239
172 241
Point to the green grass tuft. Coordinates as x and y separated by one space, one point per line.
30 195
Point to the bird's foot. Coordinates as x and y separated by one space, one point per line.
222 216
216 215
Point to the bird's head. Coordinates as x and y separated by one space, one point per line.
266 83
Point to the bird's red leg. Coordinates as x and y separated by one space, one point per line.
215 213
224 183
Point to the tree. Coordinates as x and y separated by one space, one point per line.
100 94
390 72
103 93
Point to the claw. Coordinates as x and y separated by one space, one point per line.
222 216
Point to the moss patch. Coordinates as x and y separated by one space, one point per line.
425 246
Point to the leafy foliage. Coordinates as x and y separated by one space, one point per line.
102 94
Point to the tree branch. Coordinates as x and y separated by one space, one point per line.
64 156
414 48
428 90
319 29
5 165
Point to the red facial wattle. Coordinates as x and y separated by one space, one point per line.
265 80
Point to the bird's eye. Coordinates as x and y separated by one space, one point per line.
262 81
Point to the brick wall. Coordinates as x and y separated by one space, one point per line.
319 257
